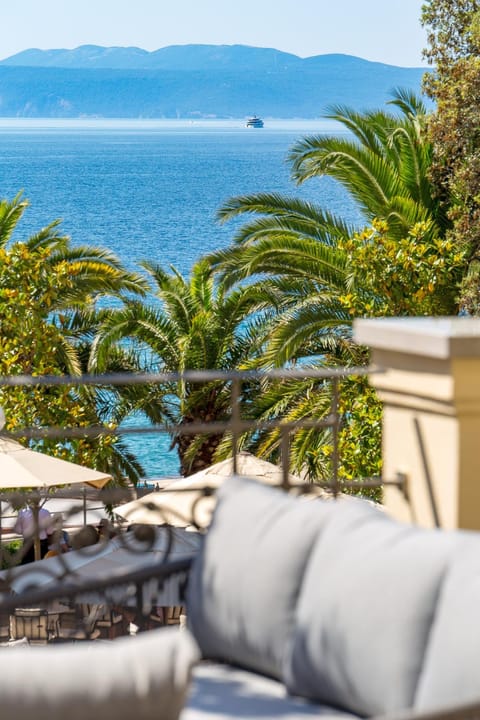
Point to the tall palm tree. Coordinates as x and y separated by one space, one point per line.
385 167
188 324
300 254
296 249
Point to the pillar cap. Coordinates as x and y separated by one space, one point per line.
435 337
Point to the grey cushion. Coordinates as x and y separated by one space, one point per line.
221 692
451 671
245 582
365 610
145 677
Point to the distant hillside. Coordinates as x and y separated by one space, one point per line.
192 81
173 57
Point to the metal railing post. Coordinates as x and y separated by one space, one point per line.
235 420
335 436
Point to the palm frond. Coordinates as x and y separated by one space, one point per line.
10 215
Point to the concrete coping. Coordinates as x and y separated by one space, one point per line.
435 337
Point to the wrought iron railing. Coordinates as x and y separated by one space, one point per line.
156 574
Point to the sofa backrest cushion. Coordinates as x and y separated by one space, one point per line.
451 671
244 583
365 611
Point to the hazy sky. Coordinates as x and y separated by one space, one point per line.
383 30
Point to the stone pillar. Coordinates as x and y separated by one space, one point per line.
429 382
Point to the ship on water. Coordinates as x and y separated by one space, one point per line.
254 122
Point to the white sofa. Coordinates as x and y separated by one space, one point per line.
296 608
329 608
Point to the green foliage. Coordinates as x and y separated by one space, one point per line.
361 435
311 449
191 323
384 167
42 281
417 275
454 41
452 32
317 274
301 257
9 553
31 343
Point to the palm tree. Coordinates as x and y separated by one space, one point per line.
189 324
95 272
385 167
299 251
291 254
50 292
302 256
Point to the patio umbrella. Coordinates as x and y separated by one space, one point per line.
182 501
21 467
121 554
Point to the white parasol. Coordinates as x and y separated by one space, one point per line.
182 501
21 467
103 559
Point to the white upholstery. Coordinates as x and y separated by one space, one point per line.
365 614
365 610
221 692
245 581
141 678
451 669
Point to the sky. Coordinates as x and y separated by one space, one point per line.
386 31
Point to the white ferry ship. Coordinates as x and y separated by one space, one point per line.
254 122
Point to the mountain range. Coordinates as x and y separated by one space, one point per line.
192 81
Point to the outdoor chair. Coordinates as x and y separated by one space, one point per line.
76 625
33 624
4 627
108 622
174 614
166 615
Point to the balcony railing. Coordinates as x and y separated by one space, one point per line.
142 587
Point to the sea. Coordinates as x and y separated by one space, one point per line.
150 189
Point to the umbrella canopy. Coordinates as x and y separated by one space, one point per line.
122 554
21 467
182 501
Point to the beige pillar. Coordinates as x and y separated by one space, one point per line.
429 382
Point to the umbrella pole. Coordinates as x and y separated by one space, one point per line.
84 505
36 530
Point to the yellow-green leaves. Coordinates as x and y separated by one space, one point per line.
417 275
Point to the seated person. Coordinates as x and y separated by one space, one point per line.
58 543
106 531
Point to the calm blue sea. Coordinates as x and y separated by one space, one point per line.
151 189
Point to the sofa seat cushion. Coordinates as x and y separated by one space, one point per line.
365 610
451 670
222 692
244 584
145 678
